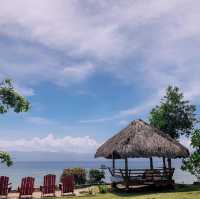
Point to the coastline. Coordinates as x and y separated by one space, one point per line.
39 169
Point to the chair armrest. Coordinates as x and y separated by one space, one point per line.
41 188
60 186
9 189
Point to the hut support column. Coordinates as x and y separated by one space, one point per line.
151 163
169 163
113 164
126 173
169 167
164 164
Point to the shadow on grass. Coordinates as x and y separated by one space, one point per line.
152 190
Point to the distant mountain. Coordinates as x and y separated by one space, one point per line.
50 156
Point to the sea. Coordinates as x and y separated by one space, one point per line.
39 169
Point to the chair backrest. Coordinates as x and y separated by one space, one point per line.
49 184
27 186
4 185
67 184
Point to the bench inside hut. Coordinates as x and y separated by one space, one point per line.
141 140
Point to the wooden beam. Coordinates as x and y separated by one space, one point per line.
151 163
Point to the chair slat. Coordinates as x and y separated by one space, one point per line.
67 185
4 185
27 186
49 184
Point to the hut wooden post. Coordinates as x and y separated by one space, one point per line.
151 163
169 167
169 163
126 173
164 164
113 164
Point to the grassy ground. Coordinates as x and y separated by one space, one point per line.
181 192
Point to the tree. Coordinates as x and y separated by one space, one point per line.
10 99
5 158
174 116
192 164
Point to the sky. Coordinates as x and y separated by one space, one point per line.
90 67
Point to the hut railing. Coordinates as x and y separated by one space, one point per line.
144 173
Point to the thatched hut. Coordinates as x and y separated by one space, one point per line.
141 140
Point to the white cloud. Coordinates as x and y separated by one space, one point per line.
39 120
160 46
66 25
133 111
137 110
78 72
123 122
25 90
98 120
51 143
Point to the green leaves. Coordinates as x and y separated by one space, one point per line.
96 175
192 164
195 140
5 158
174 116
10 99
78 173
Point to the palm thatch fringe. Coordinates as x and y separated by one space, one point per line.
140 139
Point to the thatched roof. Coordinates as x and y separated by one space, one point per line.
140 139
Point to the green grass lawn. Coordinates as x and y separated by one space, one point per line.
181 192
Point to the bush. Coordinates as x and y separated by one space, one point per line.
103 189
96 176
78 173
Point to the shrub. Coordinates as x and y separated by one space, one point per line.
103 189
96 176
78 173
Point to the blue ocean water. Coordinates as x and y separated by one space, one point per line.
39 169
